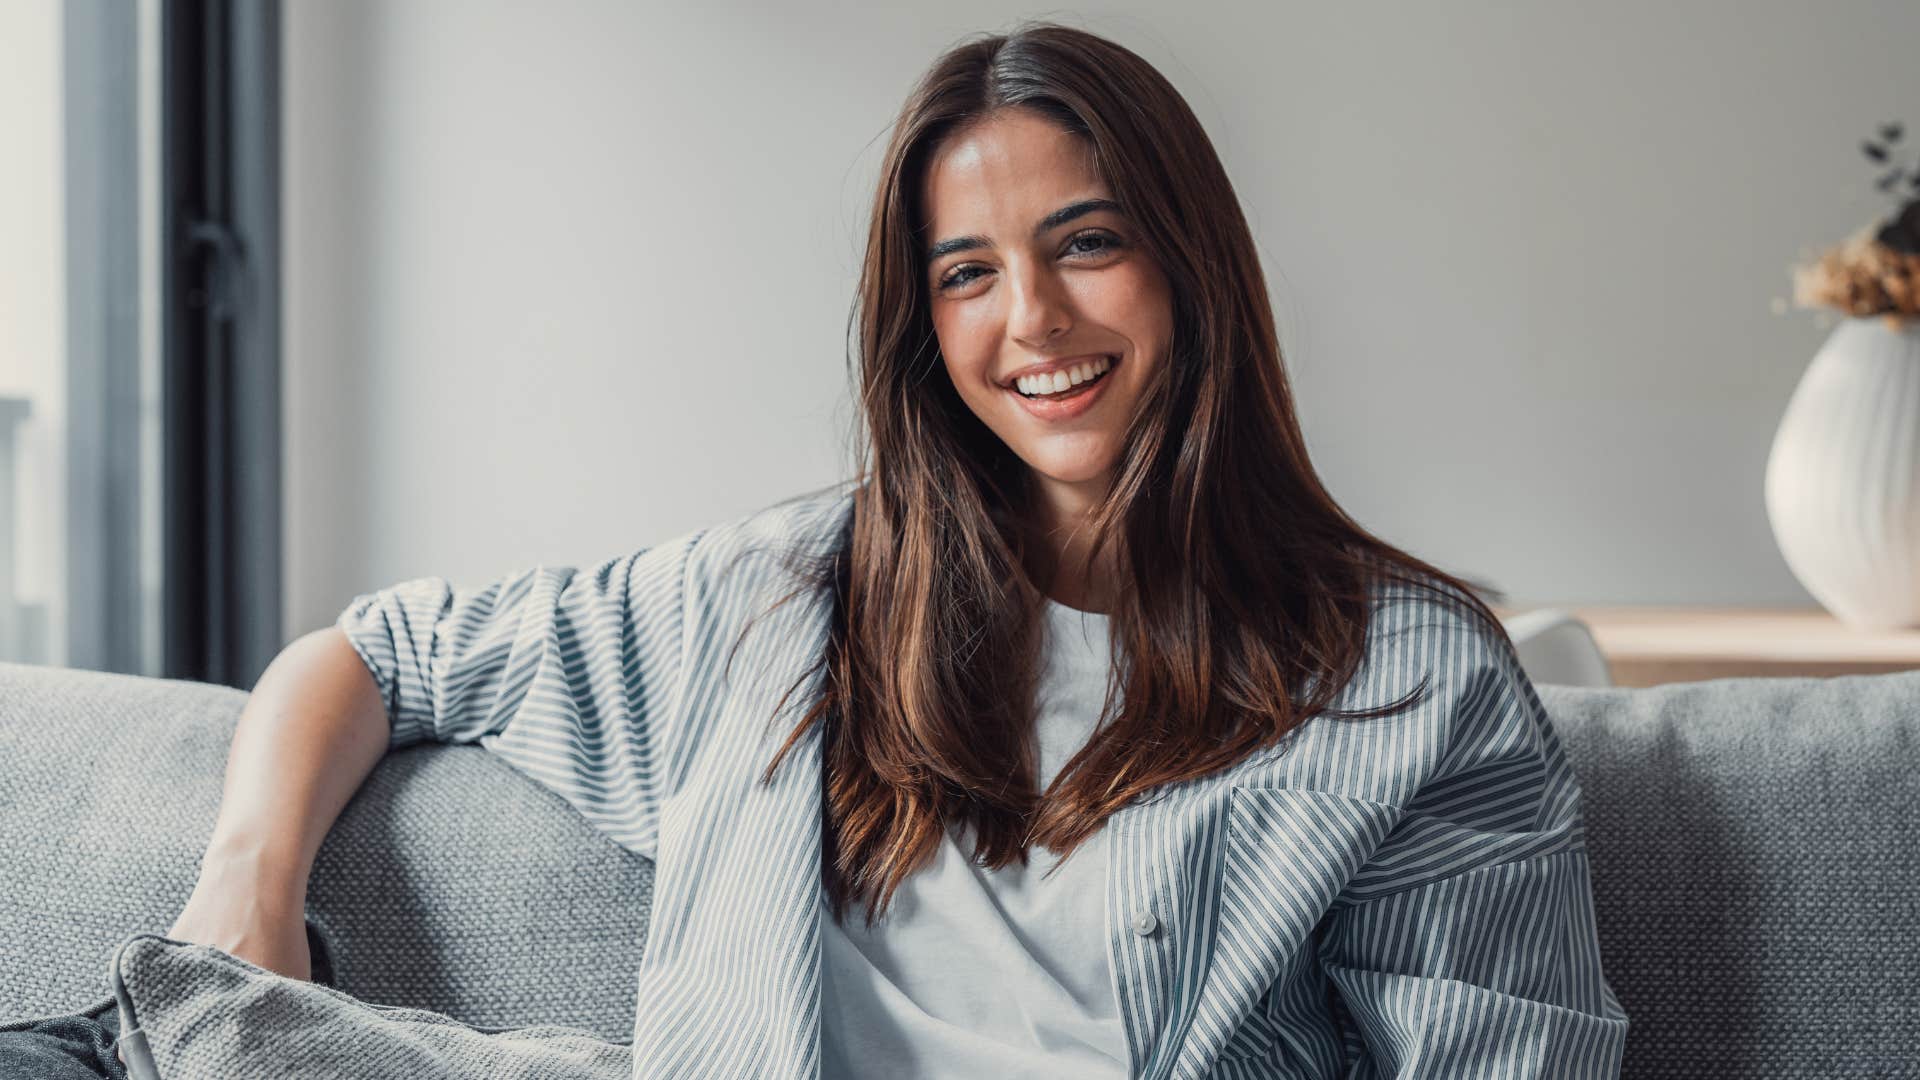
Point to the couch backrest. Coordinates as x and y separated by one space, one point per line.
1756 871
1752 841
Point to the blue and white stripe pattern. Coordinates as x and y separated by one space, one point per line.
1405 896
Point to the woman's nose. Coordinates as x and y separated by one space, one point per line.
1039 311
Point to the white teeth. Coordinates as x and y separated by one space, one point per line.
1055 381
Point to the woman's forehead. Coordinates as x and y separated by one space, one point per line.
1017 168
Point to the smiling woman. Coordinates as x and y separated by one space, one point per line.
1125 751
1091 591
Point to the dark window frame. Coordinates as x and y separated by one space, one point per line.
220 338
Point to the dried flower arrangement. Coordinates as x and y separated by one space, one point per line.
1876 271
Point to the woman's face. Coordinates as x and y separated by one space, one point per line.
1031 270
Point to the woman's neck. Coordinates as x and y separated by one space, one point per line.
1065 538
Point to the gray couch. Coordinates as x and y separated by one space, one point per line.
1753 844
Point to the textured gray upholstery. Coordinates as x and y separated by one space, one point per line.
450 883
208 1015
1756 873
1753 850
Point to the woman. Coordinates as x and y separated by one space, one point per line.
1105 744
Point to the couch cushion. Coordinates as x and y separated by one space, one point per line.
450 883
206 1014
1756 882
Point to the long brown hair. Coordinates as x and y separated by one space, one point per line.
1244 583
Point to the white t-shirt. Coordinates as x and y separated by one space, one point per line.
976 972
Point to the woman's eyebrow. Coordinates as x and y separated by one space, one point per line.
1050 222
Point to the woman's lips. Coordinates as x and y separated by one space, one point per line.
1078 401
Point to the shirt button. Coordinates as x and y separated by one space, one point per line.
1144 923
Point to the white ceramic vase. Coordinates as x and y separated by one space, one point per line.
1843 478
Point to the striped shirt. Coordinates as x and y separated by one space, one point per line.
1404 896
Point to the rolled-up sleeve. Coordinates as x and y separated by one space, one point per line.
589 653
1466 945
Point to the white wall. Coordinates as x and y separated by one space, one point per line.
569 278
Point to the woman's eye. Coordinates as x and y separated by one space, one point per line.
958 277
1106 241
1103 241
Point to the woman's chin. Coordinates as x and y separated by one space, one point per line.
1072 474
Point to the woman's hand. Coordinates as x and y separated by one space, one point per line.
314 727
256 915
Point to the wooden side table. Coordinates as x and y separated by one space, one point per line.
1646 646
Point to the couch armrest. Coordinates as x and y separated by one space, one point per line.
451 882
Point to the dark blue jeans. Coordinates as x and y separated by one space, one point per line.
77 1046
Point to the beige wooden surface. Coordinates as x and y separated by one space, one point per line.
1646 646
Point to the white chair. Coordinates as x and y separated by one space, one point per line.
1554 647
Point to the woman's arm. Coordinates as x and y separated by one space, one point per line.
1466 945
577 663
312 730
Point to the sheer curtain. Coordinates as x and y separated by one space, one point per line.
80 560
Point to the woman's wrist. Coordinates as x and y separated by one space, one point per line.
276 866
